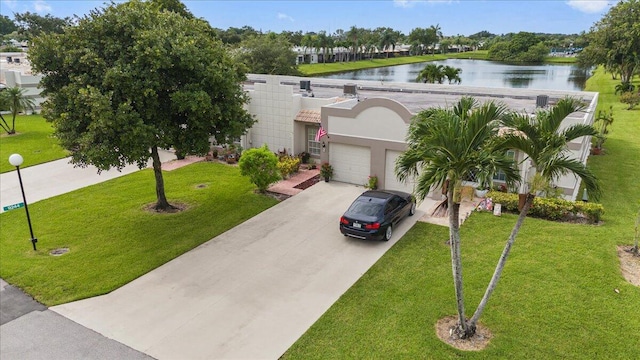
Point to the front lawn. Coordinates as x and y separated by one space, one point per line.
557 297
33 140
112 239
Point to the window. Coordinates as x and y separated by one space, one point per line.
500 176
313 146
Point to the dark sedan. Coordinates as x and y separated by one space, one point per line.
373 214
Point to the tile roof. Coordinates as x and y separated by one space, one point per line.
308 116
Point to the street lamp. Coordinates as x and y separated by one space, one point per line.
16 160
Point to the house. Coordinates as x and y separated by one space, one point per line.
367 123
17 72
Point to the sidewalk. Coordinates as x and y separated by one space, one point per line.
57 177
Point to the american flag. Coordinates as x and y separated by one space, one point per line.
321 132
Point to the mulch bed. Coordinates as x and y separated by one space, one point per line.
308 183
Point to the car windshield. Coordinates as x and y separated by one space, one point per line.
365 207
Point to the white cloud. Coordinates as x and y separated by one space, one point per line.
410 3
282 16
41 6
11 4
588 6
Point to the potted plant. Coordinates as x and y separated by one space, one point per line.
304 157
326 171
372 183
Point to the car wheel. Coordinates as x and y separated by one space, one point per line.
388 233
413 209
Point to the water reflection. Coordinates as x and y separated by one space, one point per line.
485 73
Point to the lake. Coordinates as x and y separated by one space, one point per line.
484 73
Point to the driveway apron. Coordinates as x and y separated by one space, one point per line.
248 293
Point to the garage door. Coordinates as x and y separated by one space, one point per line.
391 182
351 164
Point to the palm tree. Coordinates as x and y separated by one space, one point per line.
446 146
431 73
15 101
545 143
307 43
352 35
436 35
452 74
326 43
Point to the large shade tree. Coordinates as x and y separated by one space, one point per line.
132 78
446 146
31 25
268 54
614 41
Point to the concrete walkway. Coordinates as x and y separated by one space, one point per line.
249 293
55 178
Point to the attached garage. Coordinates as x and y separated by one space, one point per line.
391 182
351 163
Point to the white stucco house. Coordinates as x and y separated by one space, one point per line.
366 122
366 131
16 71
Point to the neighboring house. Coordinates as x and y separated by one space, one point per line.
18 73
366 132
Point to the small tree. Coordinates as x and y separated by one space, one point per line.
13 99
630 98
261 166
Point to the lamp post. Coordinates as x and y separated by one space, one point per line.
585 197
16 160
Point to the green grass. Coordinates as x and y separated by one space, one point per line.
331 68
112 240
555 300
33 141
560 60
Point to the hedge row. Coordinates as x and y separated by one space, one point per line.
550 208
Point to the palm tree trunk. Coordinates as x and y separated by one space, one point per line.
635 250
503 259
456 260
4 125
13 123
162 203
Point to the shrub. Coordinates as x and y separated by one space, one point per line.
630 98
288 165
549 208
304 157
261 166
372 182
624 87
592 211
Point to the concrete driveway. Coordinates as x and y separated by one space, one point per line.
249 293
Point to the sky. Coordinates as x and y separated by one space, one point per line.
455 17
